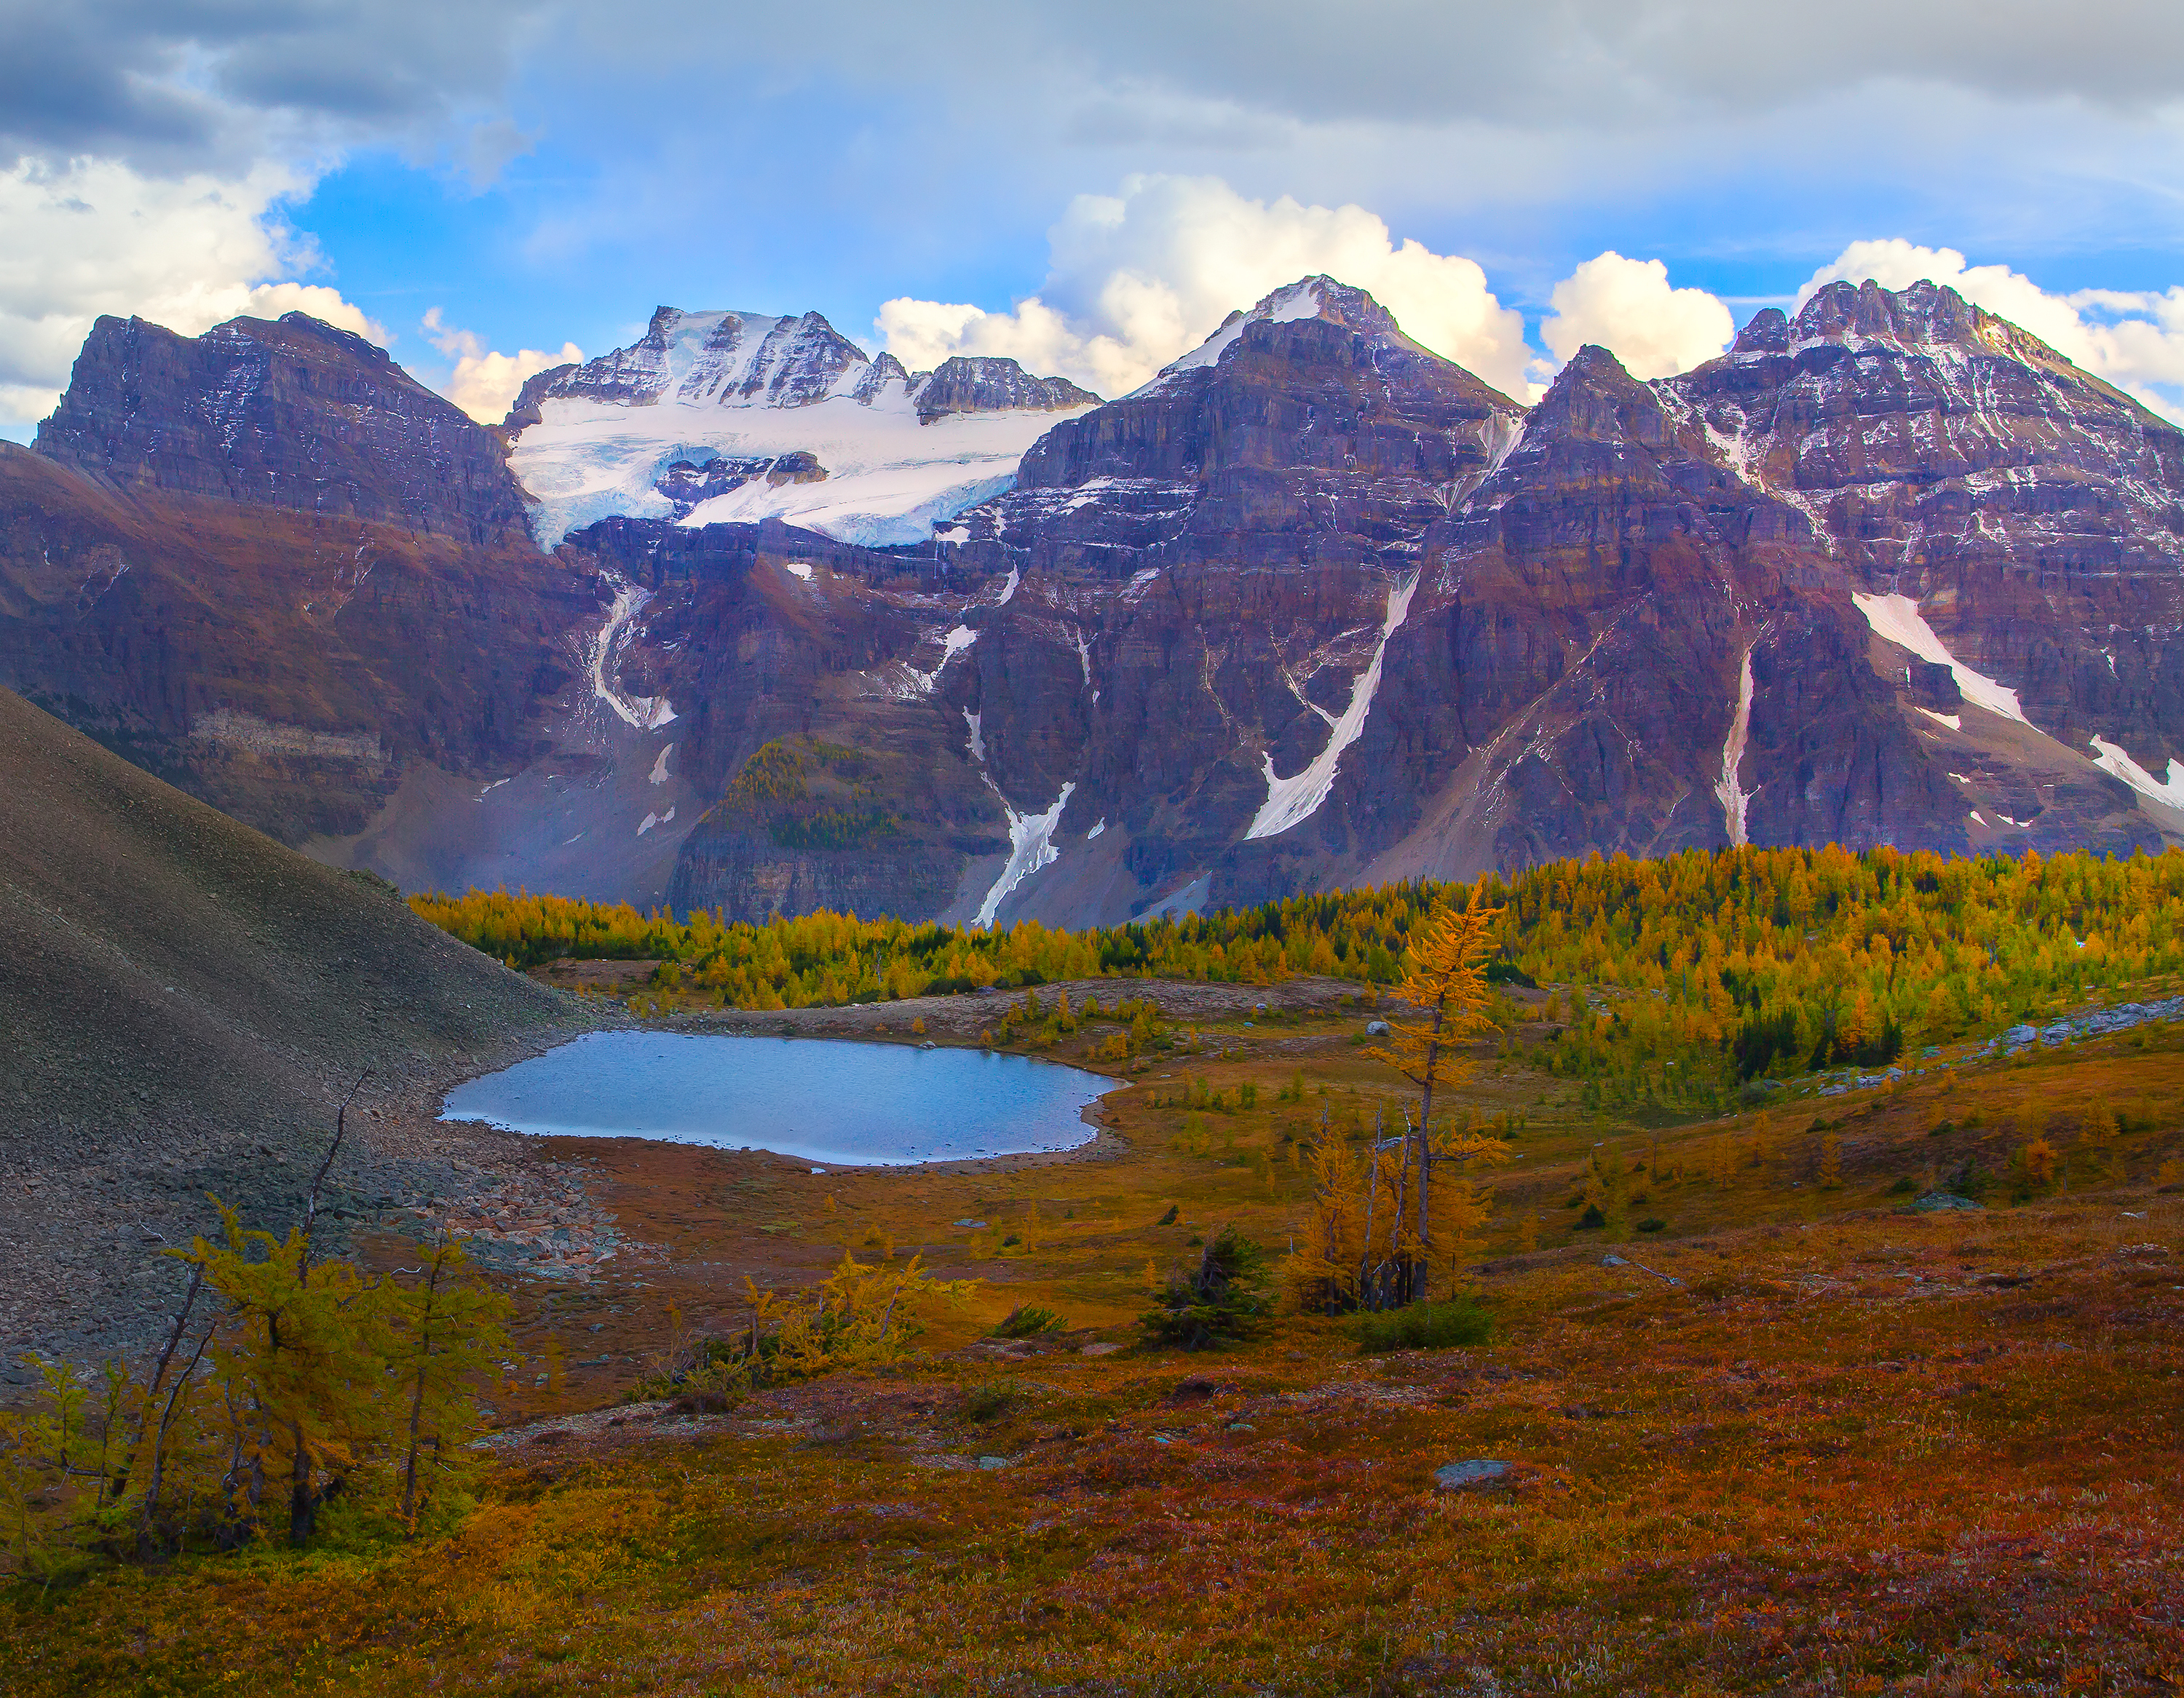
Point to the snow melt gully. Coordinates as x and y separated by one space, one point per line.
1735 800
645 713
1291 801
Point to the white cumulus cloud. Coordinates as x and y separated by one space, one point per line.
484 383
2134 339
187 253
1627 307
1137 278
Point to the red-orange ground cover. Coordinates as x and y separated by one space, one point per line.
1849 1450
1903 1454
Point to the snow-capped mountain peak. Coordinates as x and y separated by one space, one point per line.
716 416
1308 298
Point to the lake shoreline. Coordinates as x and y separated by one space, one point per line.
834 1101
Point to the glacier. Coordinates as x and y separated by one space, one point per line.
747 387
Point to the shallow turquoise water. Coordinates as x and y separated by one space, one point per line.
819 1100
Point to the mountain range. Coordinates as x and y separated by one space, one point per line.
738 617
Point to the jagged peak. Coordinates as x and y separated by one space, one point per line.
1316 297
1767 331
1573 403
1919 318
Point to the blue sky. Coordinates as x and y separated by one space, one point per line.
544 174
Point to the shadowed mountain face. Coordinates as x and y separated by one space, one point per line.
292 413
185 1005
270 566
286 666
1313 607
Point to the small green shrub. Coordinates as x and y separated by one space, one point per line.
991 1399
1028 1321
1652 1223
1458 1322
1591 1218
1222 1298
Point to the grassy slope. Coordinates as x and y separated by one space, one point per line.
1853 1450
183 1003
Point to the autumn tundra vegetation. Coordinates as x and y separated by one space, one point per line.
1632 1276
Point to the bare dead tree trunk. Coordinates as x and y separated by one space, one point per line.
311 1201
166 1357
1417 1291
1372 1197
417 1399
155 1463
148 1525
1399 1258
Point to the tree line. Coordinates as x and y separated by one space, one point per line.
1676 978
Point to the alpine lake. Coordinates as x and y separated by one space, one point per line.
833 1101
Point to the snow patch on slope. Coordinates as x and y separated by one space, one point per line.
1291 801
1299 301
2111 758
1898 618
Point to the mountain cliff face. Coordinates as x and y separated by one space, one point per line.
896 452
293 415
1316 606
1309 428
2033 514
964 384
268 566
1313 607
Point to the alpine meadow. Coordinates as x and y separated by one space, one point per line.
1260 851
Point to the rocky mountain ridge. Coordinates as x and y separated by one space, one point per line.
291 414
1315 606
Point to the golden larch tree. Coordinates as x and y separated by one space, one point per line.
1444 999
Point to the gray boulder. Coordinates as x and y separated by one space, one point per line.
1479 1471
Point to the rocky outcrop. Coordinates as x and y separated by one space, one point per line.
990 385
293 415
687 482
809 824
